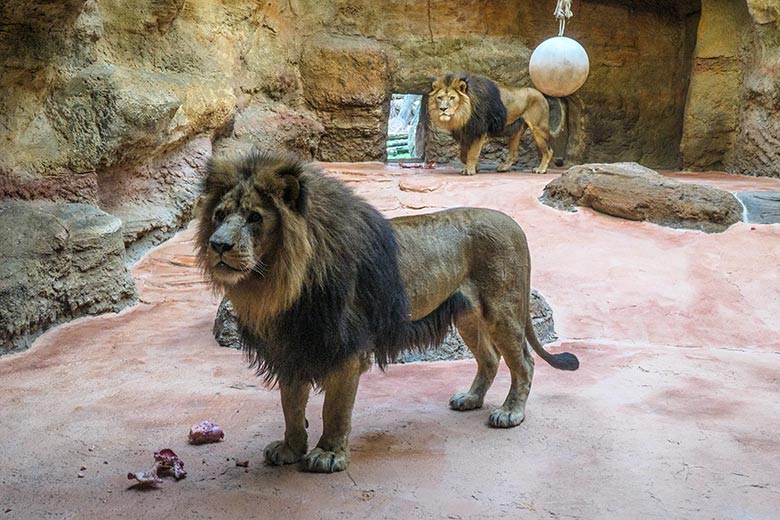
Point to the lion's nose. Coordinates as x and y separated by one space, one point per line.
220 246
443 109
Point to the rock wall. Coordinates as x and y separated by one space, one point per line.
97 85
756 149
732 119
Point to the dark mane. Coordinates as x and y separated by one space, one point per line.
352 300
488 113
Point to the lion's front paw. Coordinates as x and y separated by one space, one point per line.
468 171
539 170
501 418
279 453
321 461
465 401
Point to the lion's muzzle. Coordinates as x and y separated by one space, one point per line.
224 238
227 256
219 244
445 113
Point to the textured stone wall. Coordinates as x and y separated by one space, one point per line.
732 118
713 108
756 149
98 85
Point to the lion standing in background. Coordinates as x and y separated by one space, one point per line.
321 282
473 108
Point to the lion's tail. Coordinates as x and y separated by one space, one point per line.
561 361
562 124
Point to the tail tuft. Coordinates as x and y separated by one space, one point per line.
564 361
561 361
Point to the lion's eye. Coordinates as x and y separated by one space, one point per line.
219 215
254 217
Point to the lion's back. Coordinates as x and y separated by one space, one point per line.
458 249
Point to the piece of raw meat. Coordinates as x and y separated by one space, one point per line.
205 431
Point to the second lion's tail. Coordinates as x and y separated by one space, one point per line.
562 124
561 361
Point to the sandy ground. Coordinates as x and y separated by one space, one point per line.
674 412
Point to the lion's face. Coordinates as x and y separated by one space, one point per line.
241 217
244 225
448 101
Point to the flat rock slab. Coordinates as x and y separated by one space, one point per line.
631 191
761 207
60 261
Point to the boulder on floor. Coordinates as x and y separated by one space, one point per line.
61 261
631 191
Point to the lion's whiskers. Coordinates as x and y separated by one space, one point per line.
257 267
261 270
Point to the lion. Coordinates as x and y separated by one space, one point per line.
322 284
473 108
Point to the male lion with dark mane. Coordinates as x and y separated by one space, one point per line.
322 283
473 108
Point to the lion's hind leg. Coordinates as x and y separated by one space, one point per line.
472 329
513 148
542 138
509 337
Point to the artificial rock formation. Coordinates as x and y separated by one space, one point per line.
226 332
347 81
120 85
60 261
731 115
631 191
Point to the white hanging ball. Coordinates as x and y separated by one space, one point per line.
559 66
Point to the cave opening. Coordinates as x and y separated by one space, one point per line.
404 129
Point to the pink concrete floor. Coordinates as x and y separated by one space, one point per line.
674 412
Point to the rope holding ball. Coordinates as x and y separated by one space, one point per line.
563 13
559 66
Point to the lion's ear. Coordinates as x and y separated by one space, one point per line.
295 194
220 175
462 85
436 84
